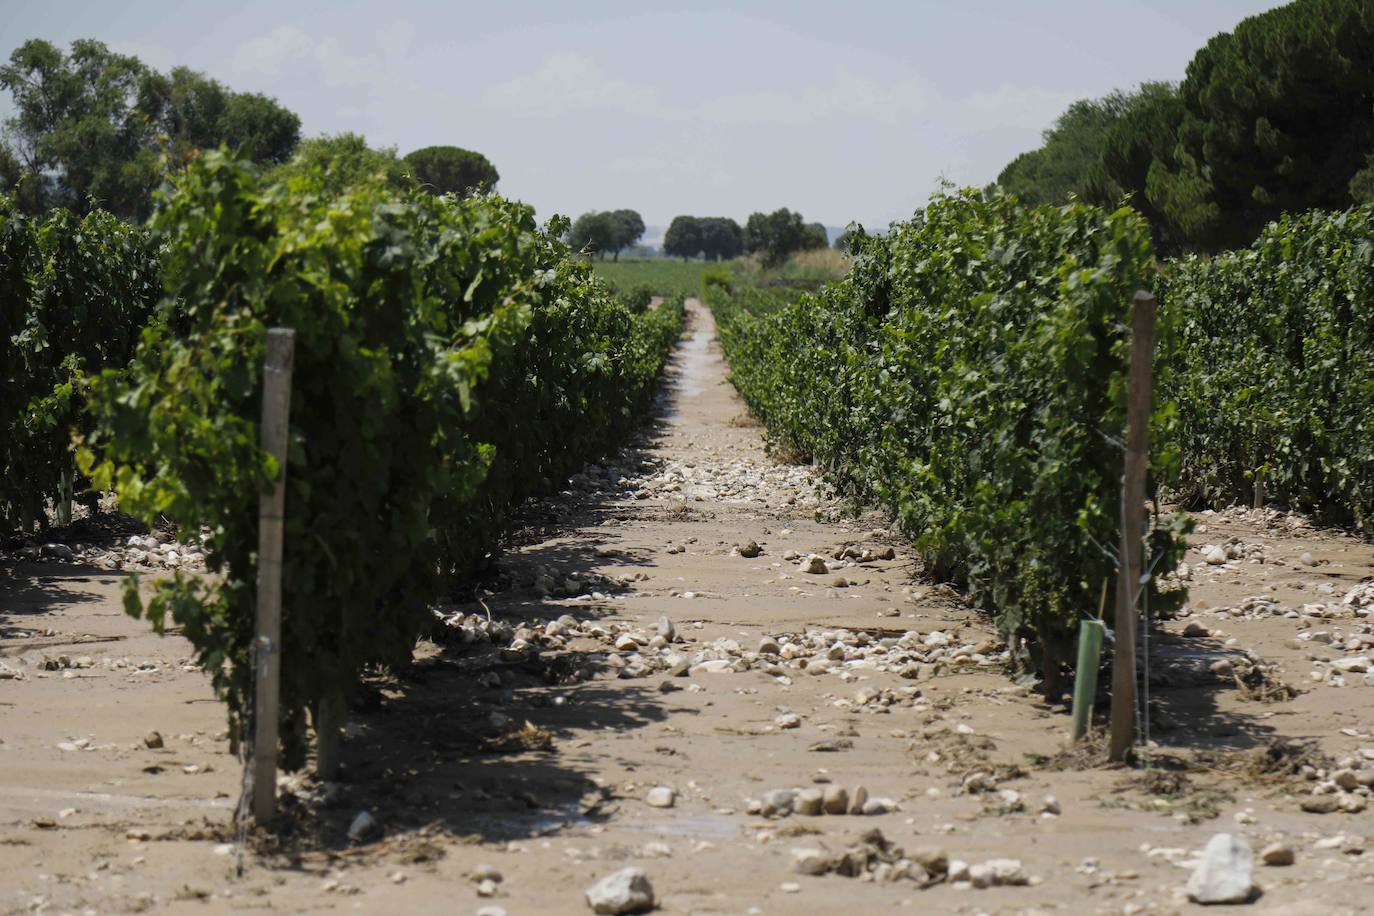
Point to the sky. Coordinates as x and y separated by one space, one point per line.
845 110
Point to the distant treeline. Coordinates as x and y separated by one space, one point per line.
774 237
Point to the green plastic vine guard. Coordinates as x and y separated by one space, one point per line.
1085 674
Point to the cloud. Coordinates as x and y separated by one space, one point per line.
268 55
843 95
1017 106
568 82
288 49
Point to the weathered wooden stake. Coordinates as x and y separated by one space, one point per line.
1132 523
276 408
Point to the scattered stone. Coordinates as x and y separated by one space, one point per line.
1307 560
364 828
58 551
875 806
1320 804
932 858
487 872
788 720
809 802
1224 872
153 740
835 800
750 551
857 799
1007 872
1050 806
1277 854
661 797
778 802
626 891
1214 556
486 888
811 862
814 565
1196 630
666 629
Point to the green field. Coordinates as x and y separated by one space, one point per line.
666 276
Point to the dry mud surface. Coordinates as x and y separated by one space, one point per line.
530 750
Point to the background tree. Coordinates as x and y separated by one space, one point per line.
592 233
452 170
94 127
721 238
1278 115
1362 185
1071 150
74 132
608 231
1136 151
187 112
683 238
815 236
627 229
776 236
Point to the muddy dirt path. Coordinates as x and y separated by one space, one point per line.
637 642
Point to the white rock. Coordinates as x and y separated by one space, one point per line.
788 720
1008 872
364 827
1214 556
815 565
810 861
625 891
809 802
661 797
666 629
1277 854
1224 873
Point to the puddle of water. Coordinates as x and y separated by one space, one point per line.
696 362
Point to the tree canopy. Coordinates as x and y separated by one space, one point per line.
452 170
1072 148
606 231
714 238
1274 116
1277 115
776 236
93 127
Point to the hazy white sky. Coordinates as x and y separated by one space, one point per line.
842 109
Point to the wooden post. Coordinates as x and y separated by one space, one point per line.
1132 524
276 407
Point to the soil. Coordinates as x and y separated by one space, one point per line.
539 765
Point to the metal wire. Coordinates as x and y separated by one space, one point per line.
245 756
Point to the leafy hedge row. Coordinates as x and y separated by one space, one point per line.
74 293
451 358
970 377
1275 366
